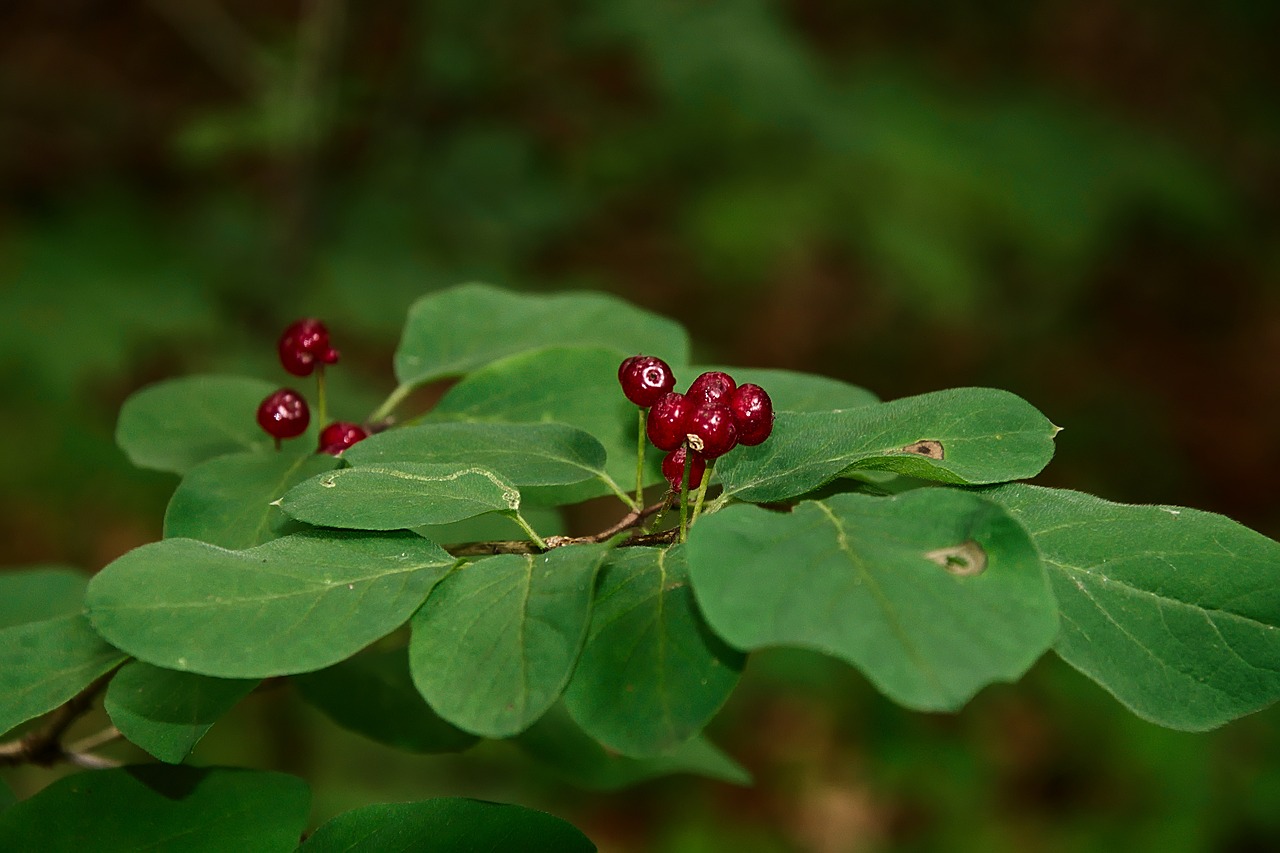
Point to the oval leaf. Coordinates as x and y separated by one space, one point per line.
399 495
228 501
167 712
651 674
160 808
179 423
495 643
1174 611
963 435
446 825
932 594
40 592
295 604
455 331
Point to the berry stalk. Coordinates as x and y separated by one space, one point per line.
684 497
702 492
640 443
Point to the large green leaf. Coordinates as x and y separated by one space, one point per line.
570 385
455 331
373 694
932 594
45 663
556 742
294 604
792 391
176 424
495 643
651 674
1173 610
40 592
161 808
446 825
229 500
167 712
399 495
963 435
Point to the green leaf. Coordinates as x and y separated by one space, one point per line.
40 592
963 435
455 331
1174 611
547 521
43 664
7 798
495 643
373 694
228 500
399 495
161 808
651 674
557 742
167 712
792 391
541 454
931 594
446 825
178 423
294 604
575 386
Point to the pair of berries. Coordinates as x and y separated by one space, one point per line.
704 423
284 413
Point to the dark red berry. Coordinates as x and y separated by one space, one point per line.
305 344
753 412
284 414
666 426
711 387
340 435
711 430
673 468
645 378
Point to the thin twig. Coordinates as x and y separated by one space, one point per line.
44 745
629 521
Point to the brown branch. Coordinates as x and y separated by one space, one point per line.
629 521
44 745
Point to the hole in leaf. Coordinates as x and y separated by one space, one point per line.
963 560
925 447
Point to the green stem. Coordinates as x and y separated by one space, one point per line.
702 493
388 406
640 460
617 490
321 399
533 534
684 497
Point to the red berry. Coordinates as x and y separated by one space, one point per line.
753 412
284 414
666 423
673 468
645 378
340 435
711 387
711 430
303 344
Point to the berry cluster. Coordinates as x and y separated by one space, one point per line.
705 422
303 347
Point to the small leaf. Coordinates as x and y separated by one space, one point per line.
40 592
446 825
176 424
964 435
1174 611
887 584
651 674
373 694
167 712
161 808
294 604
455 331
399 495
228 501
43 664
791 391
495 643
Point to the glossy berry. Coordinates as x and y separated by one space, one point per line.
666 425
673 468
711 430
644 379
304 345
753 413
340 435
711 387
284 414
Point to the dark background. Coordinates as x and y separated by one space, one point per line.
1077 201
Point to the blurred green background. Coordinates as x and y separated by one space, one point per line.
1077 201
